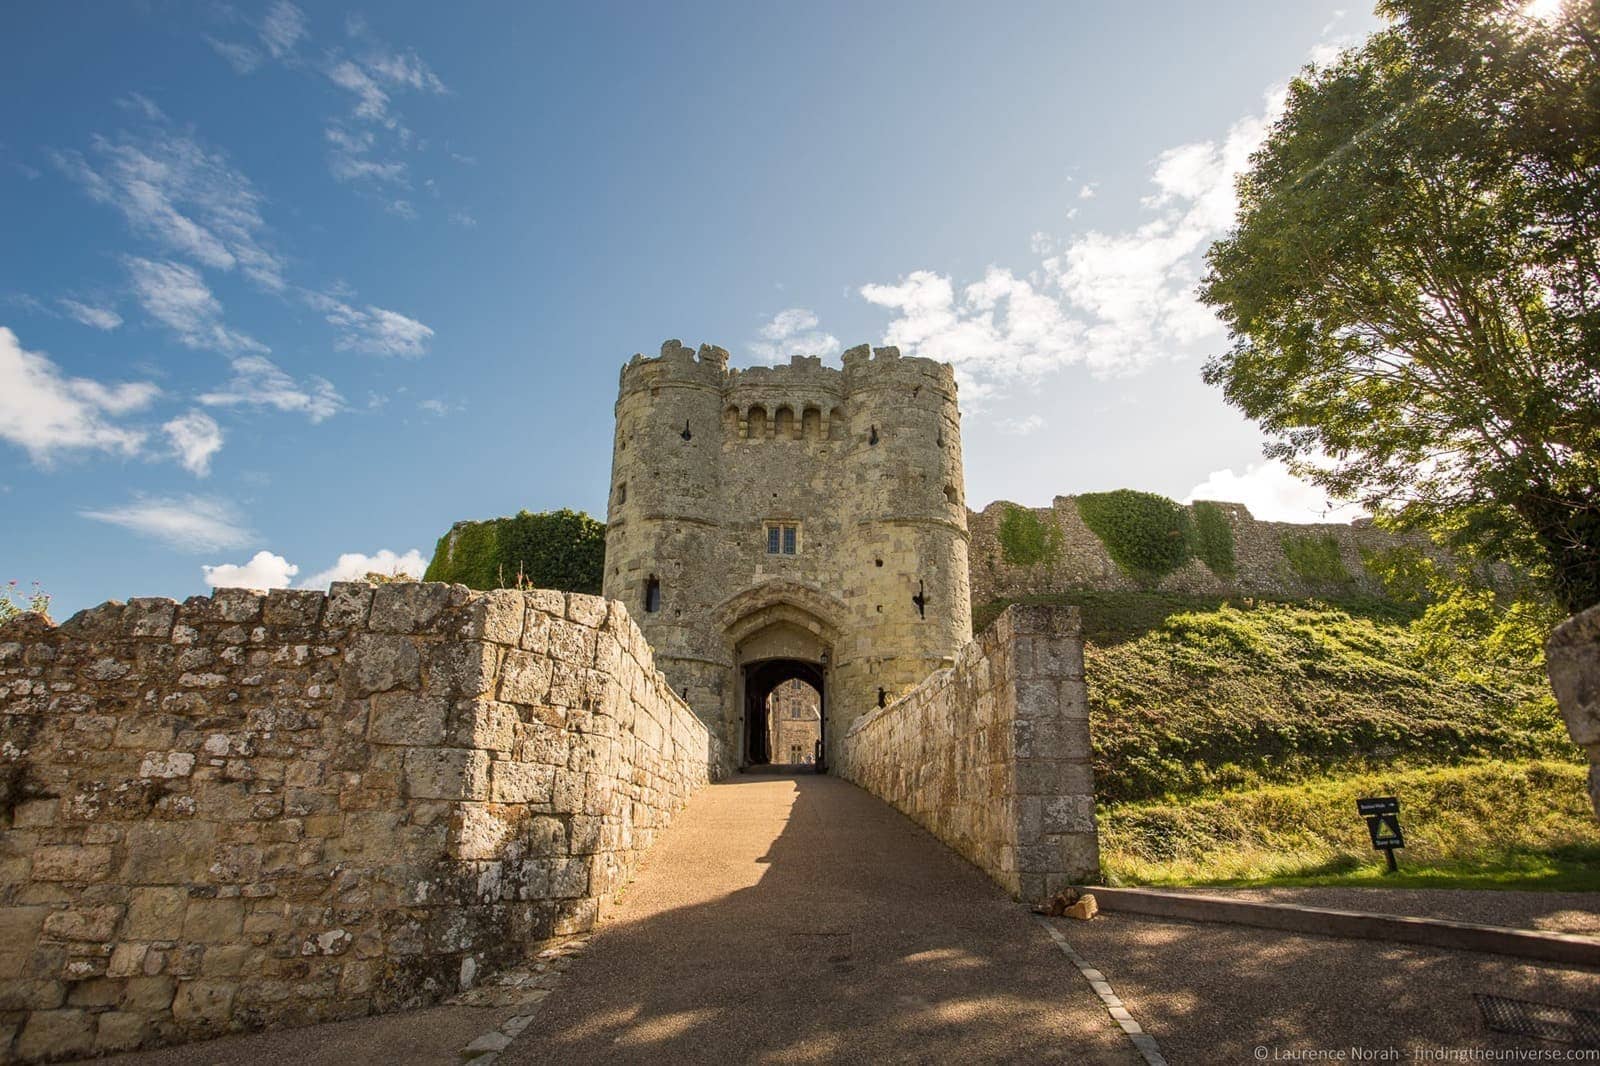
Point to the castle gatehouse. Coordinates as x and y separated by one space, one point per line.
793 522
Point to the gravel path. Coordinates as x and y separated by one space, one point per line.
1556 912
1212 993
801 920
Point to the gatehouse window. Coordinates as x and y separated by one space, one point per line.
652 595
783 538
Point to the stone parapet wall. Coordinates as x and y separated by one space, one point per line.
992 755
260 809
1261 567
1573 658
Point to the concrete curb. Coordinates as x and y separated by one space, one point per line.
1394 928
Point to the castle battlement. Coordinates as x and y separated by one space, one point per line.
804 377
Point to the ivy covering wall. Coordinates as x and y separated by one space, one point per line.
1147 535
1213 538
562 549
1026 539
1315 559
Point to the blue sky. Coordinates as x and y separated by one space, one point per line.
288 289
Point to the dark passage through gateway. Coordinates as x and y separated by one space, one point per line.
798 726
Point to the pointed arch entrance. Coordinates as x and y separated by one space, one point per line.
779 631
761 680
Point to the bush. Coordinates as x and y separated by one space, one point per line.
13 601
1213 538
1148 536
1026 539
562 549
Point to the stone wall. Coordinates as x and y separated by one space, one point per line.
992 755
274 809
1261 566
1573 658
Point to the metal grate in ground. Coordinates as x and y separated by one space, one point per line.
1522 1017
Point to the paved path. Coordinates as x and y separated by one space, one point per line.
1215 993
798 919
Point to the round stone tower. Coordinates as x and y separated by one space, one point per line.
908 519
789 522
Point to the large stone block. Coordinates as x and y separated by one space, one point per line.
408 718
71 862
524 678
203 1004
381 663
1572 656
409 607
56 1034
447 773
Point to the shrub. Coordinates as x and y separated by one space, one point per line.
13 601
1213 538
562 549
1026 539
1147 535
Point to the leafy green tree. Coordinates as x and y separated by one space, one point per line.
1413 286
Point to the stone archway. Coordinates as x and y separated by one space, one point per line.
760 679
774 632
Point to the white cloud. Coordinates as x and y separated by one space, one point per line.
1087 190
402 208
440 408
375 330
191 523
195 437
1020 427
1112 301
353 566
44 412
281 28
96 317
1273 494
173 190
177 296
259 382
241 57
463 219
793 331
263 571
372 103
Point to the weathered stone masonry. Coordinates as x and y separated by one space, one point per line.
253 809
1573 658
992 755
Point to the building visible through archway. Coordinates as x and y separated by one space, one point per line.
794 721
783 719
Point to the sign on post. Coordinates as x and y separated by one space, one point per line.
1383 825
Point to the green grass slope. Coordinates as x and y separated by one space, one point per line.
1232 738
1480 825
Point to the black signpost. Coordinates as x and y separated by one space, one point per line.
1383 825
